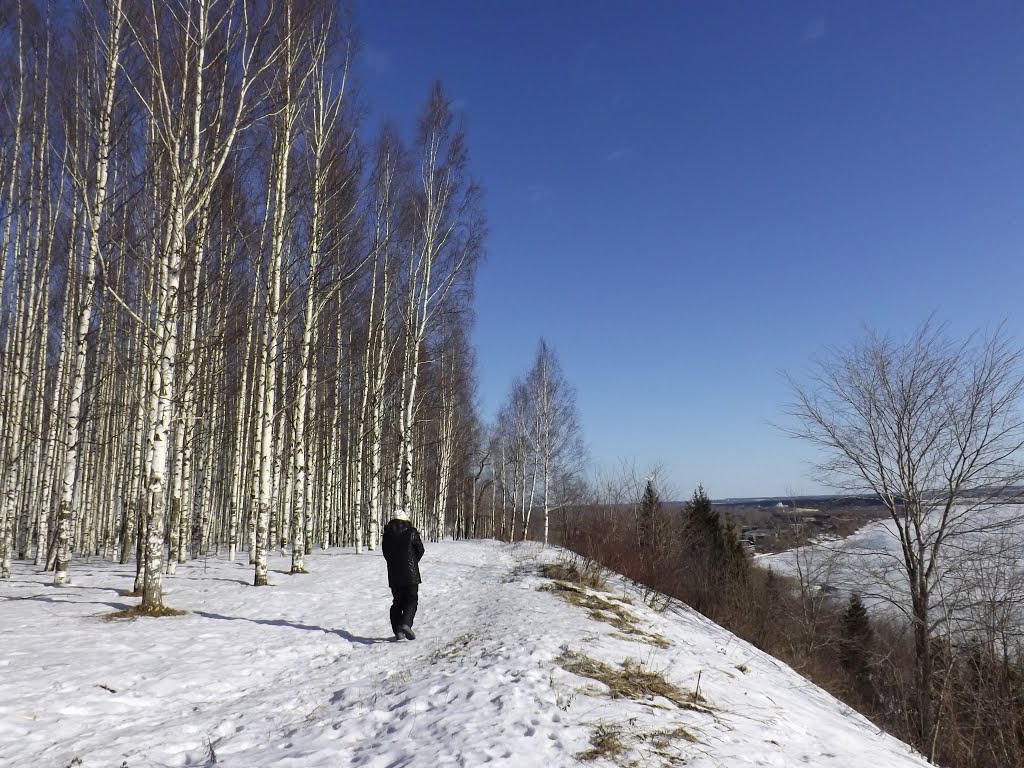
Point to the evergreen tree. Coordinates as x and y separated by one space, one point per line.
710 537
716 560
855 644
650 509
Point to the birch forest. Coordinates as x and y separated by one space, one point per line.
235 317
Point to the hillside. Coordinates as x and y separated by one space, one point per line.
305 674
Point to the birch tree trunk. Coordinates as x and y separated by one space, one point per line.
95 211
13 169
324 109
387 189
137 403
442 253
39 311
283 131
195 139
249 412
445 445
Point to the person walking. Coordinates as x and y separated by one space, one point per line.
402 548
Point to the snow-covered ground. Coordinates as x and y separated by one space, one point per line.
982 565
864 562
305 674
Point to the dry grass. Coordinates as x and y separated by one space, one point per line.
586 573
612 741
664 744
454 648
632 681
137 611
605 743
610 611
645 637
666 739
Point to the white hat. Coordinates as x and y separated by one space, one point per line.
400 514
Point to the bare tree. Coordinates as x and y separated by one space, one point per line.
206 299
186 52
384 185
93 188
516 462
933 426
323 117
444 245
557 434
539 442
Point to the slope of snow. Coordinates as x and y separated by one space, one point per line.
305 674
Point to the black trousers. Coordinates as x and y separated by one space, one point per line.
403 609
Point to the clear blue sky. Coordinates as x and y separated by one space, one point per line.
687 198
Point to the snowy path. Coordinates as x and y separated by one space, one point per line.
305 674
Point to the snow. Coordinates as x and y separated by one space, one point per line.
980 562
304 674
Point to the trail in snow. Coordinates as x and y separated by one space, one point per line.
306 674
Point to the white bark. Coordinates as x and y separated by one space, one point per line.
95 213
556 430
195 140
441 254
324 109
283 136
377 357
445 446
13 170
249 413
39 315
145 408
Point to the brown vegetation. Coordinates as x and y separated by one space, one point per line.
610 611
632 681
142 610
980 689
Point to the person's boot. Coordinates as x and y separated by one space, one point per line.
407 631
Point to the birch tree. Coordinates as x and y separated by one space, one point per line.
183 47
442 250
207 341
557 433
326 104
540 452
11 206
518 469
302 59
386 185
92 189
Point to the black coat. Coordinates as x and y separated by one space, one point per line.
402 549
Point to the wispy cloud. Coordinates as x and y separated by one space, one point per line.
814 30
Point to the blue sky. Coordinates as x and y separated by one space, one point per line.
686 199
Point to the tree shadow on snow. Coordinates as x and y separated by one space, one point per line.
243 582
57 601
348 636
